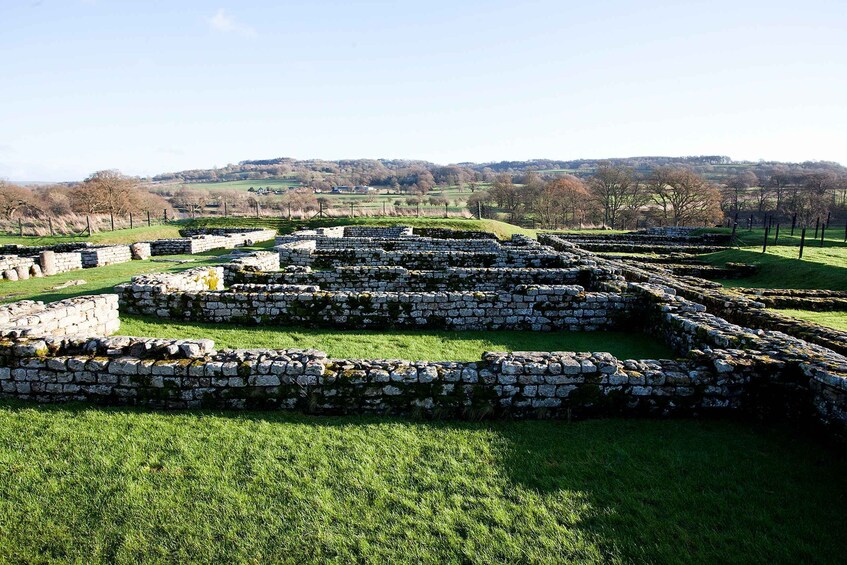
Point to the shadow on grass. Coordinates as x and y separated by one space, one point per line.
636 490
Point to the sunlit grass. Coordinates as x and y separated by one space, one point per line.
836 320
414 345
127 486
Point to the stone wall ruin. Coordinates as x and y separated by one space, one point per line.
722 368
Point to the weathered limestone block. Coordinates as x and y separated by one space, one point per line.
140 250
47 259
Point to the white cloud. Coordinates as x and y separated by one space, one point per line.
224 23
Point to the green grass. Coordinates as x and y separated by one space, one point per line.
824 268
98 279
415 345
837 320
118 236
833 237
273 184
90 485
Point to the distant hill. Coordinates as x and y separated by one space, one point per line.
319 173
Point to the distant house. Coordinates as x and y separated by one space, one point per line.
362 189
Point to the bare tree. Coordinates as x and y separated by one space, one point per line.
105 191
686 196
504 192
738 184
14 198
193 201
612 187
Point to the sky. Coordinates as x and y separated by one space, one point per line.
151 86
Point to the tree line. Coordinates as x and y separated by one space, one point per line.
103 192
611 194
614 196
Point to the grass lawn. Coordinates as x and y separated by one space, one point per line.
118 236
833 237
414 345
824 268
242 184
837 320
98 279
112 485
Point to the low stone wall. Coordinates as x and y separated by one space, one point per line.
35 250
85 315
395 244
732 306
644 242
400 279
261 261
728 368
304 253
801 299
520 385
202 243
443 233
190 374
367 231
13 267
102 256
62 262
539 308
152 287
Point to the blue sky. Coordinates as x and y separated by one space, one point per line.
150 86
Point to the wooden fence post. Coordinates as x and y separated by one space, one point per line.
765 242
50 223
802 241
88 223
148 219
130 221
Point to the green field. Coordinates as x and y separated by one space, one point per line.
99 279
833 237
118 236
273 184
89 485
414 345
836 320
824 268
